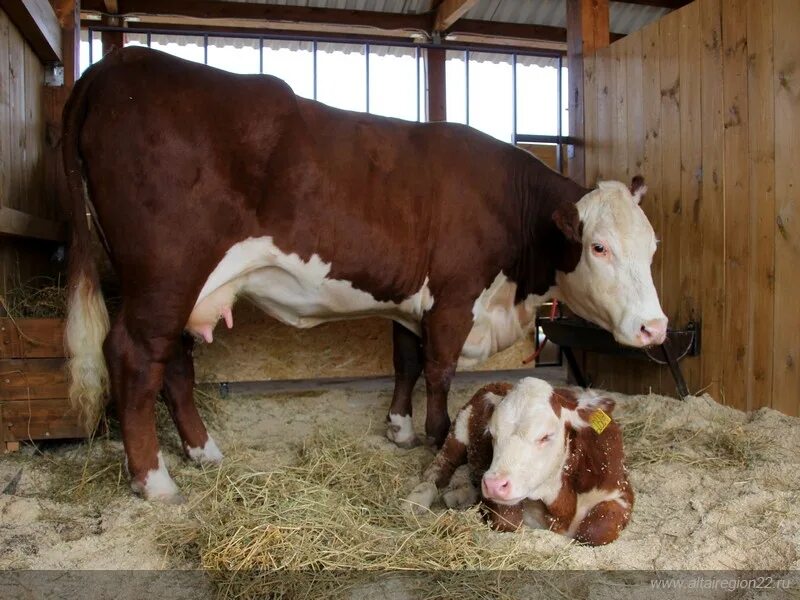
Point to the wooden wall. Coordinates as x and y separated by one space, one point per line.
705 103
24 201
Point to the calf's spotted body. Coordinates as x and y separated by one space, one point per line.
536 458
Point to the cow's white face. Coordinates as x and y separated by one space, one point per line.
530 445
612 284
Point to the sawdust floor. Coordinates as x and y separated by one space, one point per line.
715 488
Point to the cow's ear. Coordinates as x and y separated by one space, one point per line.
606 405
568 221
638 188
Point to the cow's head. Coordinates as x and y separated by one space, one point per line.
612 284
530 431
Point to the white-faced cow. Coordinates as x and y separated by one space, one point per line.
208 186
548 458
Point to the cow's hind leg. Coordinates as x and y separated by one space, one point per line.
136 371
179 397
603 523
407 349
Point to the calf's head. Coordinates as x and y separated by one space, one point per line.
612 284
530 431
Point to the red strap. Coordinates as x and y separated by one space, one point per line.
538 351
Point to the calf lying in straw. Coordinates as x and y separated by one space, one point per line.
545 457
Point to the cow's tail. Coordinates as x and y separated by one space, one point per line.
87 317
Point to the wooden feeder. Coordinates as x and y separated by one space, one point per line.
34 401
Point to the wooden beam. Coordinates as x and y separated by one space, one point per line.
111 6
68 14
522 31
38 24
587 31
451 11
436 84
670 4
21 224
209 9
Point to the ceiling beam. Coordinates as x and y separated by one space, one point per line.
111 6
670 4
208 9
38 24
451 11
544 33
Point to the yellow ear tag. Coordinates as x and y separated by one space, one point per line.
599 420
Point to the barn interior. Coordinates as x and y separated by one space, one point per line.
701 98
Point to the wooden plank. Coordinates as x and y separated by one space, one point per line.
786 365
588 163
21 224
34 136
5 110
691 164
37 22
16 108
669 33
712 209
31 338
619 148
761 165
737 206
451 11
651 165
587 31
605 104
40 420
27 379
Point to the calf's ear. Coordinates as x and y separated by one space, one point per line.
568 221
638 188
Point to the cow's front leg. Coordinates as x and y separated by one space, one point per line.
136 371
407 349
445 328
179 396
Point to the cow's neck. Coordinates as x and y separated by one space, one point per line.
542 247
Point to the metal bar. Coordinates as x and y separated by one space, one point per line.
559 153
205 49
133 28
575 368
314 64
545 139
91 60
677 375
417 53
466 80
514 99
149 36
366 54
261 55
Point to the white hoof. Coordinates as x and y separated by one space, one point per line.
400 430
460 498
419 501
158 486
209 454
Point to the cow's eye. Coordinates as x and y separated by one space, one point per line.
599 249
545 438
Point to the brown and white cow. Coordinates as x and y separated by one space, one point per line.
538 460
208 186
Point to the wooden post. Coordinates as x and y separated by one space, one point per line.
54 98
111 40
436 91
587 31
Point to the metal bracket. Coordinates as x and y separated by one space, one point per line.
224 390
436 38
53 74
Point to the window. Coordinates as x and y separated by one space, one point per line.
509 96
238 55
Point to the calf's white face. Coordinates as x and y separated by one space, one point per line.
612 284
530 445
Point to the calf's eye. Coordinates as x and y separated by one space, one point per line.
599 249
545 438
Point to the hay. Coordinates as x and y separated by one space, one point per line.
653 437
40 297
334 521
